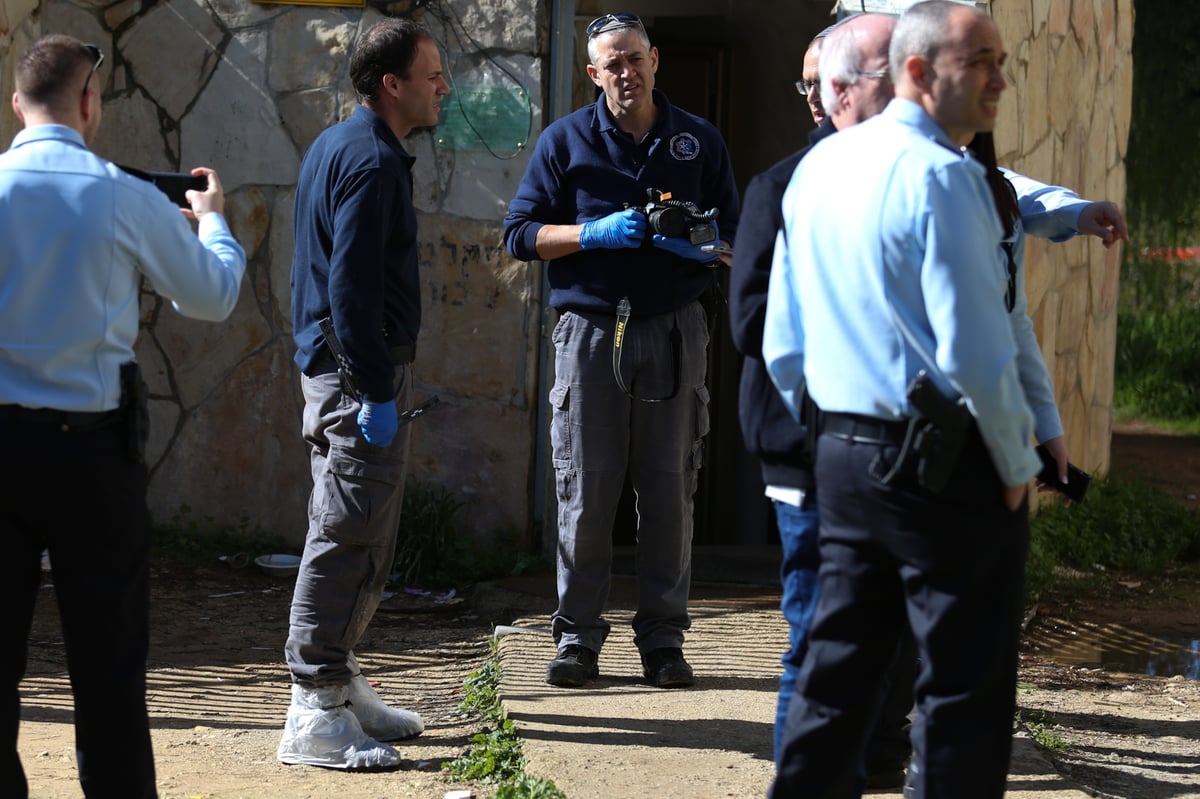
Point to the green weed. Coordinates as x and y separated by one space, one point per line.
1042 735
433 550
526 786
495 755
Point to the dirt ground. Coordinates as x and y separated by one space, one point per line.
219 689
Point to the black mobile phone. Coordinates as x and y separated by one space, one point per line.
173 184
1077 479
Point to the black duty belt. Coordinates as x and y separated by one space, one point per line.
864 429
65 420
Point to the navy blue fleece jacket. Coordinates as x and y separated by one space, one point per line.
355 256
584 167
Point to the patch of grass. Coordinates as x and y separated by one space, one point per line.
1125 525
495 755
1158 366
433 550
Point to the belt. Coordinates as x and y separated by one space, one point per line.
864 429
66 420
397 356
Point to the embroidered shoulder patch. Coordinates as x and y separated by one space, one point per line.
684 146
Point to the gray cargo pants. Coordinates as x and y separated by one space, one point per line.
353 516
597 433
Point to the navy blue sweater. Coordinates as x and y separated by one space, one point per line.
584 167
355 256
768 427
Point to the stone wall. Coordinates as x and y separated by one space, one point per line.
245 88
1065 120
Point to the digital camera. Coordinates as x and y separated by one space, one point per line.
678 219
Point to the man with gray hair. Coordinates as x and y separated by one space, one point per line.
911 287
631 341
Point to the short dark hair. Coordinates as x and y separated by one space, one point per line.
388 46
49 67
920 31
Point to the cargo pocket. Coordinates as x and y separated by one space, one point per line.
359 498
560 426
702 422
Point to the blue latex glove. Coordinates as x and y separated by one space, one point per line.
613 232
379 422
685 248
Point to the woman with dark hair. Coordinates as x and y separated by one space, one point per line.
1025 205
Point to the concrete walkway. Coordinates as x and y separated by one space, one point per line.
621 738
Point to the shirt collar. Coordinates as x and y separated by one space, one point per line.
372 120
605 122
63 133
907 112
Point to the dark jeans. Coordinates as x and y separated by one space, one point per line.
76 494
951 565
798 577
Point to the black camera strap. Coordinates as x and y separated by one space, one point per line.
624 310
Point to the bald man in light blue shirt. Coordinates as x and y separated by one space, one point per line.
888 265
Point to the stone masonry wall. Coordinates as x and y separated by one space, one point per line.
1065 120
244 88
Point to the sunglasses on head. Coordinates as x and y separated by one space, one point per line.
97 60
612 22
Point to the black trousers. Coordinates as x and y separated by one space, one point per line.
951 566
77 494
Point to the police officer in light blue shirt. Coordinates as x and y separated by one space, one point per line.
888 264
79 235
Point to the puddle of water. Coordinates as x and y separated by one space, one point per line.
1115 648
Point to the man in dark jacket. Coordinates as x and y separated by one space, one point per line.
356 311
769 430
630 344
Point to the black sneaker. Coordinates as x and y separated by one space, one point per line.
666 668
573 667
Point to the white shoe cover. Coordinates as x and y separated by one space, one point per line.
321 731
378 720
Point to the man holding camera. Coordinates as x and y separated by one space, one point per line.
79 236
630 345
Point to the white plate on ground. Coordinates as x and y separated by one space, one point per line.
279 565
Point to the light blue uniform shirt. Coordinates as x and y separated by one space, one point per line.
77 234
887 265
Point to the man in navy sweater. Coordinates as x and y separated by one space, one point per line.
354 270
630 344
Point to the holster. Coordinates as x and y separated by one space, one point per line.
135 412
939 434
